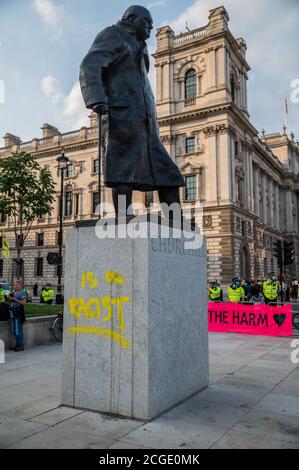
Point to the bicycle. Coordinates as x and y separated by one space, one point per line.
57 327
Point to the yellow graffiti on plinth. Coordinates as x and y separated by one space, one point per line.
88 278
99 331
114 278
93 309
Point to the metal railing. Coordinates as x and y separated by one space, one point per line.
196 33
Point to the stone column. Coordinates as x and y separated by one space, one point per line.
264 197
226 184
166 81
212 68
221 67
171 81
233 167
256 207
212 165
246 102
289 210
159 82
227 68
251 186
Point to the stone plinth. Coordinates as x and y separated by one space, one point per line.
135 336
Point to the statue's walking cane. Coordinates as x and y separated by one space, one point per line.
99 160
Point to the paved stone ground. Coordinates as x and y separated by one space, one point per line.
252 402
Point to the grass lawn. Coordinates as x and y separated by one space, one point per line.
40 310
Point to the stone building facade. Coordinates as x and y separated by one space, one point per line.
248 184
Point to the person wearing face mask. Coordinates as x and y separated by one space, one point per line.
114 81
236 292
215 292
271 289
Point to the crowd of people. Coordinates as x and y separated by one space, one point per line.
267 290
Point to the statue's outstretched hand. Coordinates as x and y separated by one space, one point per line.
100 108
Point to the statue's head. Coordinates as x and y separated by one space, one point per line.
141 19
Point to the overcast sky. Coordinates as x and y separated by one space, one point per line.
44 41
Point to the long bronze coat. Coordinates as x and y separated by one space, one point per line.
115 72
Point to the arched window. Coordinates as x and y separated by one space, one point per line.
190 84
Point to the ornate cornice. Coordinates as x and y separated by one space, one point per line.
219 129
246 146
168 139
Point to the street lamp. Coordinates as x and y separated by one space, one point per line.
63 162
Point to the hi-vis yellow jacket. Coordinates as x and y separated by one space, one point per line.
2 296
235 295
270 290
48 295
214 293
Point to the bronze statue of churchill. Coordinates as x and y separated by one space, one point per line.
113 78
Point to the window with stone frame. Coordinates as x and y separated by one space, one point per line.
57 237
69 171
95 168
1 267
191 188
68 210
95 201
190 84
190 145
243 228
40 239
39 267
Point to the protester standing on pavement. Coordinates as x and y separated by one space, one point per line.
17 300
48 294
295 289
215 292
2 295
35 289
236 292
271 289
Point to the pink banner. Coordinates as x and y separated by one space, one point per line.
259 319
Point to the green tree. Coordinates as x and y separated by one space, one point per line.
26 192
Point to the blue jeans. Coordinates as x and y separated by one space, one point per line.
17 331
